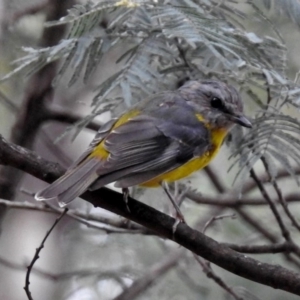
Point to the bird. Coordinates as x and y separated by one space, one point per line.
161 139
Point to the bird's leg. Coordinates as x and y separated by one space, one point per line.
180 192
179 215
125 192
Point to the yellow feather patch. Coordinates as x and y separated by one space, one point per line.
100 151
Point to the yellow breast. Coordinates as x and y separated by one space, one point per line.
198 163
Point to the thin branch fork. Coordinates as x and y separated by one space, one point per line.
218 280
118 226
285 232
260 249
239 264
281 198
36 256
160 268
133 228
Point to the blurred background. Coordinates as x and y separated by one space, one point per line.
96 261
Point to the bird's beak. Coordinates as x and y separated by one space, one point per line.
242 120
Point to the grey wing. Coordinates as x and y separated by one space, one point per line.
80 175
145 148
100 135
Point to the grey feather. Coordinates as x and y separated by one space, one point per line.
72 184
163 162
100 135
139 173
138 178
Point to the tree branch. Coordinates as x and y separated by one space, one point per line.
82 217
260 249
38 92
37 253
239 264
160 268
284 230
52 115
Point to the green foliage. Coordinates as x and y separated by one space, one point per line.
165 41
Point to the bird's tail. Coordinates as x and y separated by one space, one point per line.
72 184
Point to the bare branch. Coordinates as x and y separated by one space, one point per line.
230 200
216 180
280 196
271 275
217 279
264 178
215 218
285 232
108 225
37 253
99 273
255 223
68 118
168 262
285 247
38 92
8 103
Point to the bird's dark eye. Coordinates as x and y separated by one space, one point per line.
217 103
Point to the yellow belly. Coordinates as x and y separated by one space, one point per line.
198 163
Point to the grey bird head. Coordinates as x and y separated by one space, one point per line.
217 103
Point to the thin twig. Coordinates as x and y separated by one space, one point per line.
256 224
99 273
280 196
180 193
215 218
231 200
106 224
36 255
38 92
262 249
285 232
53 148
217 279
160 268
215 179
108 228
68 118
9 103
264 178
174 201
190 281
